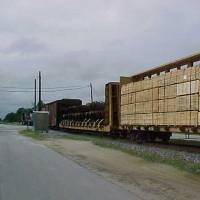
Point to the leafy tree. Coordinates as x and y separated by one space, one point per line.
11 117
37 105
20 113
42 105
18 116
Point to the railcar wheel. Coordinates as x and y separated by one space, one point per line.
166 139
153 137
123 135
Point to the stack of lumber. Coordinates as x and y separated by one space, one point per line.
170 99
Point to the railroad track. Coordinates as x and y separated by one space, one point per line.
192 148
177 146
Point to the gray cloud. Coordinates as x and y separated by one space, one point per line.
25 46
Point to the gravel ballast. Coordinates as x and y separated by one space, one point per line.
189 161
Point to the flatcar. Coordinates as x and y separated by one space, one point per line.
146 106
98 116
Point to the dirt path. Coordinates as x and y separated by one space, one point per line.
150 181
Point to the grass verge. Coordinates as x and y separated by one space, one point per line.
36 136
119 144
86 137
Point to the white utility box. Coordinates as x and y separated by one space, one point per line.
41 121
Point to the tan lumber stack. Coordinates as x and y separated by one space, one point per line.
170 99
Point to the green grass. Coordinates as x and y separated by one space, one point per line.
10 123
144 154
189 142
86 137
77 137
37 136
196 168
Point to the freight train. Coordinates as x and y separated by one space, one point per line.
145 106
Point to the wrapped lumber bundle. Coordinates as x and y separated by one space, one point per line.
169 99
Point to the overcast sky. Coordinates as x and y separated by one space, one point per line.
77 42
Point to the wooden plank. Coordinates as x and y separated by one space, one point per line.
194 118
155 81
129 98
161 92
183 88
161 80
162 106
180 76
183 103
167 78
156 106
155 93
161 119
173 77
130 88
148 107
133 97
171 91
156 118
194 102
198 118
171 105
194 86
150 94
187 74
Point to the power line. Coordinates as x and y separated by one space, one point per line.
59 90
13 91
52 90
16 88
75 86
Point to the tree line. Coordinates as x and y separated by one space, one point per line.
18 116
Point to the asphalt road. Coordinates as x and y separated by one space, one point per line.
29 171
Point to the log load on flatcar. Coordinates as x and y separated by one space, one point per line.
97 116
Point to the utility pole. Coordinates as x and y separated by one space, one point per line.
35 96
91 93
40 101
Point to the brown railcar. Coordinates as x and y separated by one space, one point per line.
58 108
